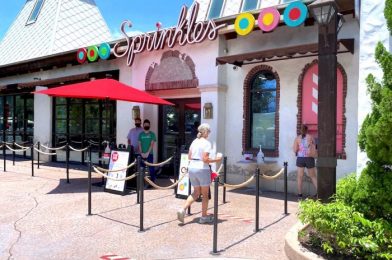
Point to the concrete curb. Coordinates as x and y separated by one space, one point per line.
292 247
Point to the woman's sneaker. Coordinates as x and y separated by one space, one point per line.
181 215
207 219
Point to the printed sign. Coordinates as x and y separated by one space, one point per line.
183 185
118 160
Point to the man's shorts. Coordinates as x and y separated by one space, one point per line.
307 162
199 177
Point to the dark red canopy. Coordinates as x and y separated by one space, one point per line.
104 89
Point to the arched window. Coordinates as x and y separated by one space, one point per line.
215 9
248 5
35 12
308 104
261 108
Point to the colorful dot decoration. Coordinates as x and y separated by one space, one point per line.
268 19
104 51
81 55
295 14
244 24
92 53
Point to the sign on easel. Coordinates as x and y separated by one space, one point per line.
118 160
183 189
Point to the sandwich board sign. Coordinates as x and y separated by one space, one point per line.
118 160
183 187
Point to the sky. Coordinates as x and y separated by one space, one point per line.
142 15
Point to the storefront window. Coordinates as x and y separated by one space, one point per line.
263 108
248 5
215 9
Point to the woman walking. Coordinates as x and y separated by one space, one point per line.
199 173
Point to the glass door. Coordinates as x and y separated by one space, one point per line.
178 128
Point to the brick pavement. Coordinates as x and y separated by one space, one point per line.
45 218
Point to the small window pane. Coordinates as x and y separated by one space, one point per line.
263 108
215 9
249 5
36 10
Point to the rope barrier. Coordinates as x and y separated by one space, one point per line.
53 148
163 188
118 170
112 178
17 150
22 147
76 142
42 152
7 143
93 142
78 150
157 164
236 186
220 168
268 177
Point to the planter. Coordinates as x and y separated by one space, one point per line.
292 247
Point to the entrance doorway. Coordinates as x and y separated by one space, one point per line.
178 127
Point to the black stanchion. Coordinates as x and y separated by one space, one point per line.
215 238
39 148
257 229
224 177
89 186
141 189
13 154
83 152
32 160
67 160
4 158
189 192
285 188
175 171
138 165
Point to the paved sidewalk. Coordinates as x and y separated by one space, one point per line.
45 218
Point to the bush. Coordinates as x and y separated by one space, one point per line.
346 188
373 194
343 231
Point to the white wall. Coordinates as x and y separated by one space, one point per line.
43 119
373 30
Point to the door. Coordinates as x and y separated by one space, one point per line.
177 127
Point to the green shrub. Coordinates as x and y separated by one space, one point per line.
373 195
346 188
343 231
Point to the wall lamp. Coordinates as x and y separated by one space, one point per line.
323 11
135 112
208 111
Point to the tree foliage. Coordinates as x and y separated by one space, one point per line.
388 14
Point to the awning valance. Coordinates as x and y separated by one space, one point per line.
298 51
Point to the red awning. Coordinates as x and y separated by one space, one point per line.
104 89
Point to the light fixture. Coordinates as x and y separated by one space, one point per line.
208 112
341 21
36 78
323 10
135 112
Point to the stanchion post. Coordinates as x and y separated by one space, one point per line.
215 238
32 160
141 189
13 154
285 188
4 156
89 186
138 165
67 160
175 171
257 229
189 191
39 149
224 177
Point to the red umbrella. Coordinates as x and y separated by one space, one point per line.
104 89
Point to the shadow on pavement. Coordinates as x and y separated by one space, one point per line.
266 194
